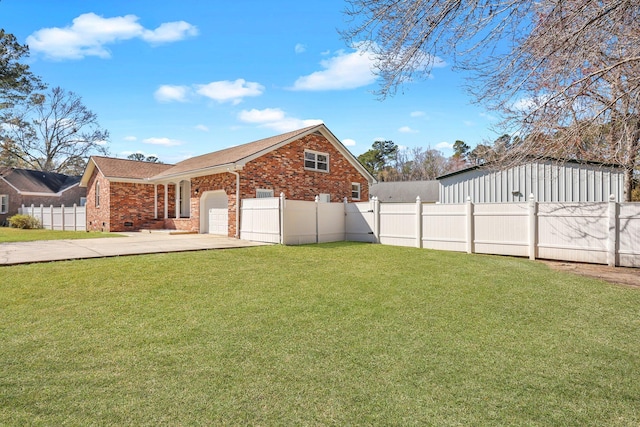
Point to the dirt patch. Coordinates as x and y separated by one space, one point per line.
617 275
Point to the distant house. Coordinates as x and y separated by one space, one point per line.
202 194
549 180
406 191
26 187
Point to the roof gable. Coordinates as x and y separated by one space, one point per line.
32 181
121 169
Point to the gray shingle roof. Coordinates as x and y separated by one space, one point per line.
31 181
124 168
231 155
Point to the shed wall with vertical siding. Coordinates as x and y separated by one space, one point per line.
548 181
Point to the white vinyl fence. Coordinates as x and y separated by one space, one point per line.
602 233
292 222
70 218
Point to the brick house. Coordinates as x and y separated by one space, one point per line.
200 194
29 187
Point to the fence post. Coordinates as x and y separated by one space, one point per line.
345 207
470 221
533 226
418 222
42 215
317 200
612 240
282 218
75 218
62 214
376 219
51 217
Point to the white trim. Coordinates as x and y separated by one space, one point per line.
359 191
6 203
316 154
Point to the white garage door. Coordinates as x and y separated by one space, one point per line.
215 215
218 221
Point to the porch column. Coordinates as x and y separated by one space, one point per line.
155 201
178 200
166 199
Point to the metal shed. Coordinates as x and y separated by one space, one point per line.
548 180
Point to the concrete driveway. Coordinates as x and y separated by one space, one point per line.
130 244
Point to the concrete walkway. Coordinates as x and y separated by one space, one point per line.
131 244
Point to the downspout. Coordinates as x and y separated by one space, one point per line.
237 236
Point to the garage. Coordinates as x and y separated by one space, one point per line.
215 207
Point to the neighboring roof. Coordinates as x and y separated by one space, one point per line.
487 166
31 181
406 191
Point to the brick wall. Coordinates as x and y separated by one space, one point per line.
98 218
283 171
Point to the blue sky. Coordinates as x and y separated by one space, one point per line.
177 79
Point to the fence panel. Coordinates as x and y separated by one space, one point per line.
69 218
398 224
444 227
360 222
501 228
300 225
331 222
573 231
260 220
629 235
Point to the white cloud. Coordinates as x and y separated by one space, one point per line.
348 142
167 142
418 114
170 32
342 71
300 48
202 128
168 93
275 118
407 129
130 138
444 145
89 35
469 123
228 91
261 116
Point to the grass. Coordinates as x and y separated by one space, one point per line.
332 334
8 234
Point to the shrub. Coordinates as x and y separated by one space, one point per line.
24 222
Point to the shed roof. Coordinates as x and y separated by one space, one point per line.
32 181
406 191
496 166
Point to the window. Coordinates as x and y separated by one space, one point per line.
262 193
4 203
316 161
83 201
97 194
324 198
355 190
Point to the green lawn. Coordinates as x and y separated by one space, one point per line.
8 234
332 334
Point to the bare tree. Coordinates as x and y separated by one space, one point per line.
54 132
565 74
